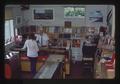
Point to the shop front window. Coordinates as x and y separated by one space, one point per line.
9 31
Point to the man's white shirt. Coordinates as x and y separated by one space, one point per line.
44 41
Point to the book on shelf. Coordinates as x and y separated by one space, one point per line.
67 30
76 43
74 30
51 29
56 29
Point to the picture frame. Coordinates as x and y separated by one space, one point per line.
43 14
96 16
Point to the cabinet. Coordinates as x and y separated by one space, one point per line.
14 62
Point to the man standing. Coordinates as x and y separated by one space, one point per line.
42 38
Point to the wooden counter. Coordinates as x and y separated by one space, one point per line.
47 52
14 63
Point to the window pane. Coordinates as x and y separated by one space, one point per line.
80 12
74 12
11 28
69 12
7 31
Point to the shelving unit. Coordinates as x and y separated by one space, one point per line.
54 32
61 37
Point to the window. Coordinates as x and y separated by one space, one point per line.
9 31
75 12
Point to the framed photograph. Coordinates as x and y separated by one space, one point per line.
43 14
96 16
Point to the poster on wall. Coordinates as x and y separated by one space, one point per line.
43 14
96 16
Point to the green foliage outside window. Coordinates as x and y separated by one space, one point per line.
74 12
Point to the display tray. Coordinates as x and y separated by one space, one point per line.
50 66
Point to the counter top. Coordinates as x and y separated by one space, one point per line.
55 58
50 66
47 71
57 50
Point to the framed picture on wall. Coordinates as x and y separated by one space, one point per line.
43 14
96 16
